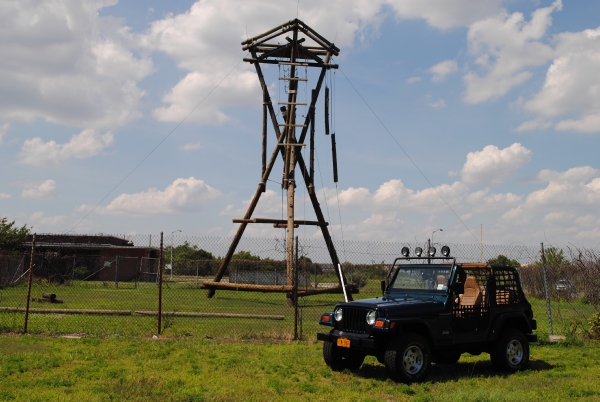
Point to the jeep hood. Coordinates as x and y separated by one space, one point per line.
400 307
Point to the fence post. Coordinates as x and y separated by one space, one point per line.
197 267
117 272
546 291
160 275
29 285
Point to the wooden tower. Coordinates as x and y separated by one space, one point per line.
285 45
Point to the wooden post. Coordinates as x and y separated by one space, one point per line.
264 135
160 280
291 164
324 230
29 284
296 293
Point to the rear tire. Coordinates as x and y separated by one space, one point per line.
511 351
408 359
339 359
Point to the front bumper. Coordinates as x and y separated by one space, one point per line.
362 341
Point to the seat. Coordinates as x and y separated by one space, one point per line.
441 280
472 295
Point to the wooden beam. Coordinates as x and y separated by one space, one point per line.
278 221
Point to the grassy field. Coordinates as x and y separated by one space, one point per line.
34 368
569 318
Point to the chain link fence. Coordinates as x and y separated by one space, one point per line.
112 286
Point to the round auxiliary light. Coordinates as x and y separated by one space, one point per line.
405 251
418 251
337 314
432 251
445 251
371 317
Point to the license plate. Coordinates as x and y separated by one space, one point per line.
343 342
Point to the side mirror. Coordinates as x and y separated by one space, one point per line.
458 287
383 287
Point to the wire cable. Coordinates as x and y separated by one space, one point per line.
406 153
156 147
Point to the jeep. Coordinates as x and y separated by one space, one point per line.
433 309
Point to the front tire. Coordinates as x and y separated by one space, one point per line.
511 351
339 359
408 359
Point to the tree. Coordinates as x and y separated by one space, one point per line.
504 261
11 236
245 255
187 252
555 256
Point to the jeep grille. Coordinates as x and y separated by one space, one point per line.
355 320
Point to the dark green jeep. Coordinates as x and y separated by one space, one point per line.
433 309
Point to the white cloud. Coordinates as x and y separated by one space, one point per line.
577 187
199 44
493 165
565 207
572 83
186 94
86 144
446 13
269 206
504 47
3 129
354 196
4 196
440 104
45 223
63 63
183 195
536 124
412 80
191 146
44 190
442 69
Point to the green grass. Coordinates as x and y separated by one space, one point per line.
569 318
135 369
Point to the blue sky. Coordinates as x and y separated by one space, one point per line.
496 102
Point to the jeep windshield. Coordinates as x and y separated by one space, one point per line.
421 277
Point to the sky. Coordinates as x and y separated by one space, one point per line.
480 118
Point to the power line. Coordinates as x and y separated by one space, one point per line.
156 147
406 153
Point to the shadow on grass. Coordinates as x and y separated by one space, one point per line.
441 373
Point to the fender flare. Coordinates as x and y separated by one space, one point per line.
499 322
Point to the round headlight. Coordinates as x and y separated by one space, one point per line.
418 251
371 316
432 251
405 251
445 251
337 314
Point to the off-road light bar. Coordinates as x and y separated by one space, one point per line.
432 251
445 251
405 251
418 251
